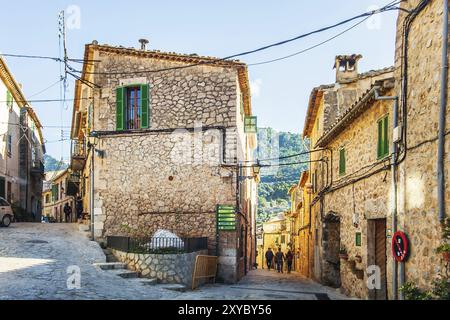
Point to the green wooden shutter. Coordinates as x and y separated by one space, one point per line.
250 124
54 192
145 105
386 136
9 99
383 138
342 161
120 108
380 139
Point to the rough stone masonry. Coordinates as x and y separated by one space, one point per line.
173 174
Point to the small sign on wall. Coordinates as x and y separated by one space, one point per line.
226 218
400 246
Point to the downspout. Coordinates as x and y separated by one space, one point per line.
394 192
91 187
442 115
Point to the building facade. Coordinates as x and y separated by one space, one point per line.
21 149
55 197
276 234
374 165
159 142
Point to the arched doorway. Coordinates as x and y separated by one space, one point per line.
331 239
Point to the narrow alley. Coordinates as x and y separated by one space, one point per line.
35 258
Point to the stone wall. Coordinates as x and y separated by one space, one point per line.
367 199
172 175
166 268
418 207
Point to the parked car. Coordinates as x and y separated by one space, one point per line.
6 213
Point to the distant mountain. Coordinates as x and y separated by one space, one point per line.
51 164
277 180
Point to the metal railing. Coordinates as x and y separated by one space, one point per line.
37 167
78 148
157 245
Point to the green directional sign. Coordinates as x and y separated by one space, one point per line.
226 218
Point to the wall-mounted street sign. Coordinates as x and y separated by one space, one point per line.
226 218
400 246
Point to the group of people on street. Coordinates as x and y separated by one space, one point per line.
278 259
78 207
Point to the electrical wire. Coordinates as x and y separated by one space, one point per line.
18 124
43 90
389 7
45 58
310 48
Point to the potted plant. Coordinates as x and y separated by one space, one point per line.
444 249
343 254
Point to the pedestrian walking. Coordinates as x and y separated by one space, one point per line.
67 211
269 258
279 257
79 208
289 259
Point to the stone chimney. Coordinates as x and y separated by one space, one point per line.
347 68
143 43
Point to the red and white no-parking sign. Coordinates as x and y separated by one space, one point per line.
400 246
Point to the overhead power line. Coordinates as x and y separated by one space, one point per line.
25 56
389 7
312 47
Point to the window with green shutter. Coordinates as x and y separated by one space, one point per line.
358 239
9 99
120 103
342 161
250 124
383 138
145 102
54 193
133 107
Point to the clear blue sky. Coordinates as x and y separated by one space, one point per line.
216 28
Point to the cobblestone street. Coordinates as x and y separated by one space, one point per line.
34 259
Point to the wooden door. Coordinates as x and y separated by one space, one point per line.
380 257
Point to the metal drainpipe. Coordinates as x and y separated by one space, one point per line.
442 115
394 190
92 192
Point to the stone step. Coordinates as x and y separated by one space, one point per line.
146 281
84 228
111 265
173 287
127 274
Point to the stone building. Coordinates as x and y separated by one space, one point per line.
342 125
21 149
374 164
276 233
301 230
163 136
55 195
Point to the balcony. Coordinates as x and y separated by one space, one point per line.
37 168
78 155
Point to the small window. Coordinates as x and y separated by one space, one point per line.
342 161
47 198
358 239
251 125
283 239
383 139
9 99
55 192
132 107
2 187
9 145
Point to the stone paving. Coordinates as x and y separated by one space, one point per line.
34 259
